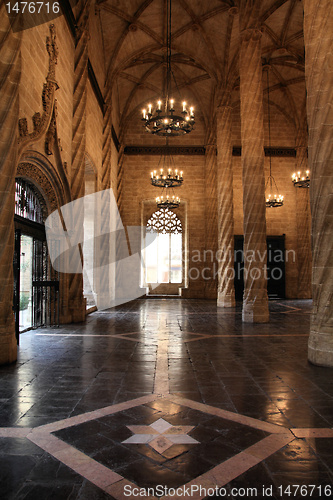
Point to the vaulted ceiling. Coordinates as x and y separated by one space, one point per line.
205 50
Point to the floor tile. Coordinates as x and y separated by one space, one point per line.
188 359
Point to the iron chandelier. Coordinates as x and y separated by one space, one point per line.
301 180
167 179
165 120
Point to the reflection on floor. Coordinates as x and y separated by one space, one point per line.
166 393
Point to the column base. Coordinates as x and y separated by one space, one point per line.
211 290
226 300
8 345
304 295
320 349
255 312
78 310
103 300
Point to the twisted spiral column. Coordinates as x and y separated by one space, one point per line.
122 243
10 73
77 302
304 255
255 300
211 222
103 264
318 37
107 148
226 290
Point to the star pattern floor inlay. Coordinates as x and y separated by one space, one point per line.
160 435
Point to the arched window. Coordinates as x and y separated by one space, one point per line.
27 202
164 254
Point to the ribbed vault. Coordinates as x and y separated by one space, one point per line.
205 48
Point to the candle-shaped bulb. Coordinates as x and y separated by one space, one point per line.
171 103
161 171
181 173
184 105
143 113
159 104
299 174
191 110
149 108
152 175
307 173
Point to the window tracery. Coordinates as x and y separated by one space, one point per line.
164 221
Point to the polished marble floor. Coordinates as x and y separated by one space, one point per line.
167 398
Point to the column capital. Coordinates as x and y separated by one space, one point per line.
224 102
301 140
233 11
253 34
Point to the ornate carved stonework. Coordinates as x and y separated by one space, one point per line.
37 123
44 123
35 174
200 150
162 150
52 132
282 152
52 50
23 127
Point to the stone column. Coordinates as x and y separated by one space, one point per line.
76 299
255 300
210 264
226 290
103 262
304 254
122 244
318 37
10 73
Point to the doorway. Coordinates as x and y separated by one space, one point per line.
163 256
36 284
276 280
25 283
